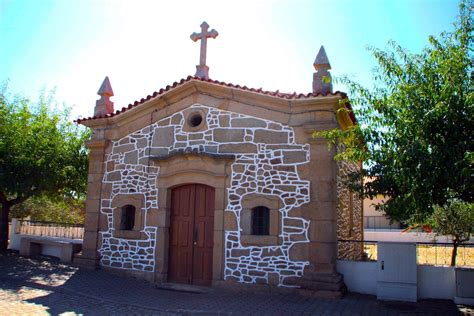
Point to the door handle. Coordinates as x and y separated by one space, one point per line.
383 265
195 237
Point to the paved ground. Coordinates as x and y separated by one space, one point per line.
43 286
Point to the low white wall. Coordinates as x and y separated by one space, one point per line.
49 250
436 282
15 239
464 286
399 236
359 276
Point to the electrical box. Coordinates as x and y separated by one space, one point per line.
396 271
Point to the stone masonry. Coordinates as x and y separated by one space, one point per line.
266 157
254 150
349 216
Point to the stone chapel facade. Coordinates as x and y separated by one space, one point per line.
215 184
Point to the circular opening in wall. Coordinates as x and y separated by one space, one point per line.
195 119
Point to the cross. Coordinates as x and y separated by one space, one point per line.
202 70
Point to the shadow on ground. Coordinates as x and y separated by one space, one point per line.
60 288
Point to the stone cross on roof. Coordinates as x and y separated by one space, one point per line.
202 70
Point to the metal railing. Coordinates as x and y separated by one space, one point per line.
427 253
440 254
380 222
50 229
357 250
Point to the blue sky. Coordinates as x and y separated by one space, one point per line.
71 45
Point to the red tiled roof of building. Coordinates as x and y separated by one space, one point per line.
278 94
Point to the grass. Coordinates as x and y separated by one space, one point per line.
433 255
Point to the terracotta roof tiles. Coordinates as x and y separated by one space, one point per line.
277 93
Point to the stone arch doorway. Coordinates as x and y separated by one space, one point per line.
183 169
191 234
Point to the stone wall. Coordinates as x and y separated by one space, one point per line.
266 157
127 173
349 215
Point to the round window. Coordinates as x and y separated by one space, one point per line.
195 119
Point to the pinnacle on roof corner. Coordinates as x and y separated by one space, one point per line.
321 60
104 105
105 88
322 81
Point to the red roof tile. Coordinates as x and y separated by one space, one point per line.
277 94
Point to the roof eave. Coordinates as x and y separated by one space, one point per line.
230 91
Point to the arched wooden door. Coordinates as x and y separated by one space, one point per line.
191 234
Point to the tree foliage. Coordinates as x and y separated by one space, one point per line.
47 208
415 131
42 153
456 219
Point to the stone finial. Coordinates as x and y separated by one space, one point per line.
202 70
322 81
104 106
106 88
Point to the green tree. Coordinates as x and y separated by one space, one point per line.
415 131
41 153
455 219
46 208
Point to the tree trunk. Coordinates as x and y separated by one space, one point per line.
4 211
454 254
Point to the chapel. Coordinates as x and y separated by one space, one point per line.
209 183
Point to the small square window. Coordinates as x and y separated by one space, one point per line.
127 220
260 220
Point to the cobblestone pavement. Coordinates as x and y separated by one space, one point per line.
43 286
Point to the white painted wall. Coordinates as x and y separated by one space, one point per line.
436 282
50 250
15 239
47 250
359 276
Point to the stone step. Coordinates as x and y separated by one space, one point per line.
318 277
324 286
331 295
188 288
84 262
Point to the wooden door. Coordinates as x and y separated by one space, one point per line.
204 233
181 234
191 234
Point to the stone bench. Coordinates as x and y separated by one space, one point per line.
33 246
